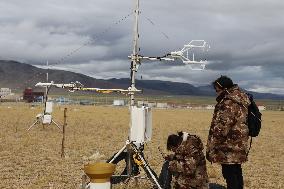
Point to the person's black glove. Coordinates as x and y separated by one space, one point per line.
170 157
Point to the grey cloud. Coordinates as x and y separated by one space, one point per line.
246 37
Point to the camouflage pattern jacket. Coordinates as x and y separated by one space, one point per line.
228 135
188 165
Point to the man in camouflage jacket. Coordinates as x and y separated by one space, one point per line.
188 164
228 135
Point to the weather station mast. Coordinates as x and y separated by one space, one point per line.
141 117
182 54
135 59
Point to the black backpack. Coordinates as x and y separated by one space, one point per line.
254 118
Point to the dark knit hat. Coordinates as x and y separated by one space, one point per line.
223 82
173 141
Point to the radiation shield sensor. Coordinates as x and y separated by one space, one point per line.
48 107
47 119
141 125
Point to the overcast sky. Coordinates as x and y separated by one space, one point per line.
246 38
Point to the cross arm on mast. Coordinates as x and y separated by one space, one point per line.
77 86
186 54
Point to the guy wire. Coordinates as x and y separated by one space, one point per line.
161 32
153 24
91 40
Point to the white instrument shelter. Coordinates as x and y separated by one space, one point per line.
141 124
48 107
47 119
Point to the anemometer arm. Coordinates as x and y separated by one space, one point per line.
52 84
186 54
106 91
77 86
69 86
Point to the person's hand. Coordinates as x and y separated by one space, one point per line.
170 157
207 156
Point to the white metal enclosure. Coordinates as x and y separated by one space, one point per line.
47 119
48 107
141 124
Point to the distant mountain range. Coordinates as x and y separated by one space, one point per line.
19 76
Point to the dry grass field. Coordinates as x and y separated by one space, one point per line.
31 160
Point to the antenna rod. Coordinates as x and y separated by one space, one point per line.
46 88
135 60
47 72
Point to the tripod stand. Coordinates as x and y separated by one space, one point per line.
135 159
46 117
41 119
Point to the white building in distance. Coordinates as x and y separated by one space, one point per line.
162 105
118 102
5 91
261 108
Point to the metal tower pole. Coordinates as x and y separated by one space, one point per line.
46 89
134 66
135 61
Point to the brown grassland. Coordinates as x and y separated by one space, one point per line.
32 159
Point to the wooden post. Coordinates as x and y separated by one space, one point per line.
63 138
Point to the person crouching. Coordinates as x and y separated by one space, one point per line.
187 162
